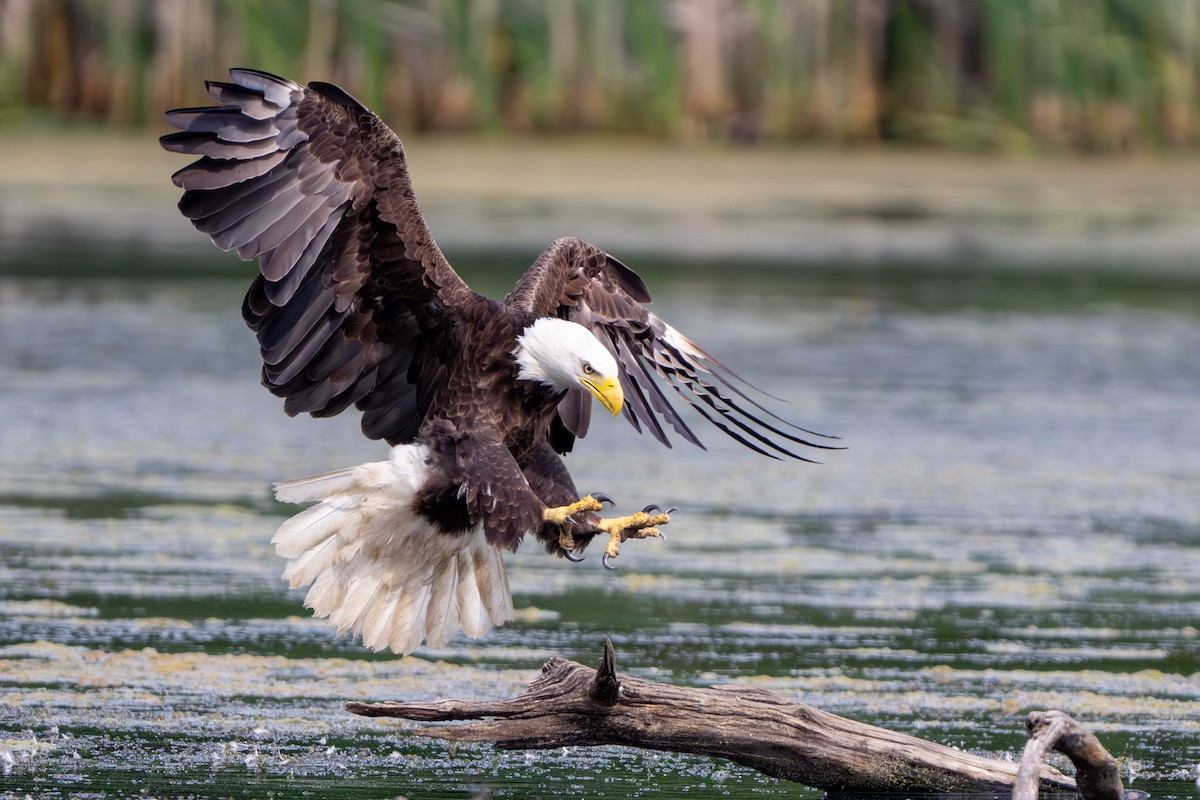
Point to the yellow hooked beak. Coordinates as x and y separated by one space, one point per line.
608 392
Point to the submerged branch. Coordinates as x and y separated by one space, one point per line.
1096 771
572 705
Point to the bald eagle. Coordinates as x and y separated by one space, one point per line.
355 304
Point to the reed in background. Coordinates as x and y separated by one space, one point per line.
1087 75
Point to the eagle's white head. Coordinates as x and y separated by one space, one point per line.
565 355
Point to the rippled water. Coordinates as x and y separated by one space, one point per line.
1014 527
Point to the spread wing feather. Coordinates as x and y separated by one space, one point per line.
577 281
354 303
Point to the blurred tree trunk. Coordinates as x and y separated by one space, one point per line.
706 96
185 37
1106 75
16 47
322 38
865 101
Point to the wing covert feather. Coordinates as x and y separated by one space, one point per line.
353 296
577 281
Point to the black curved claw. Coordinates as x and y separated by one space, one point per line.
672 510
601 497
604 561
650 509
569 556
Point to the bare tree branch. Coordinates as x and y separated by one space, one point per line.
1096 771
572 705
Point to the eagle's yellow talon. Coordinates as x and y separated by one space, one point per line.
565 540
561 515
613 548
635 526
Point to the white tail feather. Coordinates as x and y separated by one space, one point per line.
311 527
316 487
377 568
441 600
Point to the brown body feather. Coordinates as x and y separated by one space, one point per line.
355 305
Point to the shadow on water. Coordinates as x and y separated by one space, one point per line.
1014 527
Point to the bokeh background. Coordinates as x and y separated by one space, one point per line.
1105 76
960 234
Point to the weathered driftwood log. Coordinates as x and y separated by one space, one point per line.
572 705
1096 771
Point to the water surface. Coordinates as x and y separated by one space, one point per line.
1014 527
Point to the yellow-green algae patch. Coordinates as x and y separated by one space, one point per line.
154 674
43 609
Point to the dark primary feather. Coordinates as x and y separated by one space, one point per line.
354 303
577 281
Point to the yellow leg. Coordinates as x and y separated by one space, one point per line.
561 517
636 526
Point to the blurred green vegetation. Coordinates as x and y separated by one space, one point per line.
1078 75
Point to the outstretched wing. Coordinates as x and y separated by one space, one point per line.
354 302
577 281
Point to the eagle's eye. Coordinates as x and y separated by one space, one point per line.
587 369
